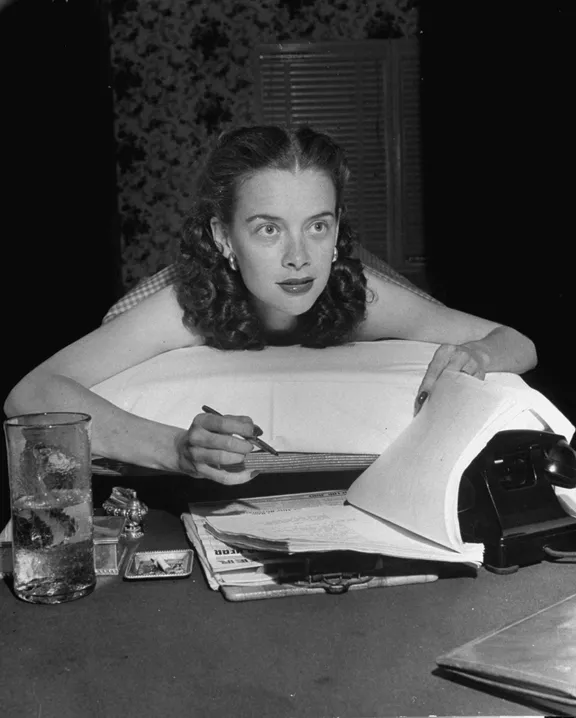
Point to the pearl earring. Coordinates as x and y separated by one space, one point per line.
335 255
232 262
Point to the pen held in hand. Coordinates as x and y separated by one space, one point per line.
252 439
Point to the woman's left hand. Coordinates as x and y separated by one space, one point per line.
467 358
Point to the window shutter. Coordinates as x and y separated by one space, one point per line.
336 88
407 251
354 91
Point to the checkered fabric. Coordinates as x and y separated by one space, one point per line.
145 288
150 285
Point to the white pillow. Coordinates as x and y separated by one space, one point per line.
352 399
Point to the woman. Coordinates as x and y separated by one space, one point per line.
265 259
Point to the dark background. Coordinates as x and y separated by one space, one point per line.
498 163
498 122
60 244
58 171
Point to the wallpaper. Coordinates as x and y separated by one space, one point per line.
181 73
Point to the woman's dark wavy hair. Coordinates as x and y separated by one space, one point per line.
214 298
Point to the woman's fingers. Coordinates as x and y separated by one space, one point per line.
233 474
217 433
213 448
218 457
220 443
229 477
471 367
227 424
447 357
439 362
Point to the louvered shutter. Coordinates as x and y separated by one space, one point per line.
407 250
350 90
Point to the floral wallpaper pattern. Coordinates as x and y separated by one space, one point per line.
181 73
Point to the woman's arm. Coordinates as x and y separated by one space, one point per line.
62 383
468 343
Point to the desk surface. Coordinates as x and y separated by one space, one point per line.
175 648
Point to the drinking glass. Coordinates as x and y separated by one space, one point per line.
49 469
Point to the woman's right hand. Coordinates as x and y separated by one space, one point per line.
212 448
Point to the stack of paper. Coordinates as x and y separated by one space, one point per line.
406 503
227 565
321 522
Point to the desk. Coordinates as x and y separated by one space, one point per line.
175 648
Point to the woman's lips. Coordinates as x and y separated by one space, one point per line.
296 286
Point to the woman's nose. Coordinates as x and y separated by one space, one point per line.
296 254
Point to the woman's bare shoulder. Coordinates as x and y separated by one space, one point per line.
396 312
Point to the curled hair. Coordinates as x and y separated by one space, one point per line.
214 298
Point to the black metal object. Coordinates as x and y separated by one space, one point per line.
507 500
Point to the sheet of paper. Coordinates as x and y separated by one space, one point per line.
414 483
330 526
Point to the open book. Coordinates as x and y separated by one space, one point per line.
405 504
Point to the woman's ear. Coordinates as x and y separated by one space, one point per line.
220 236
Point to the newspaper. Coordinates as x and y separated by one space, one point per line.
226 565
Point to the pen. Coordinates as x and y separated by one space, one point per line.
253 440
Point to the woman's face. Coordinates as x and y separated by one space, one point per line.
283 234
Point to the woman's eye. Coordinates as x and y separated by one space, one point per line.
268 230
319 227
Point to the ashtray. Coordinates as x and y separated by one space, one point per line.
160 564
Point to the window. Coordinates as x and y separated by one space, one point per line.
366 95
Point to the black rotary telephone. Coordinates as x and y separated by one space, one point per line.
507 500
